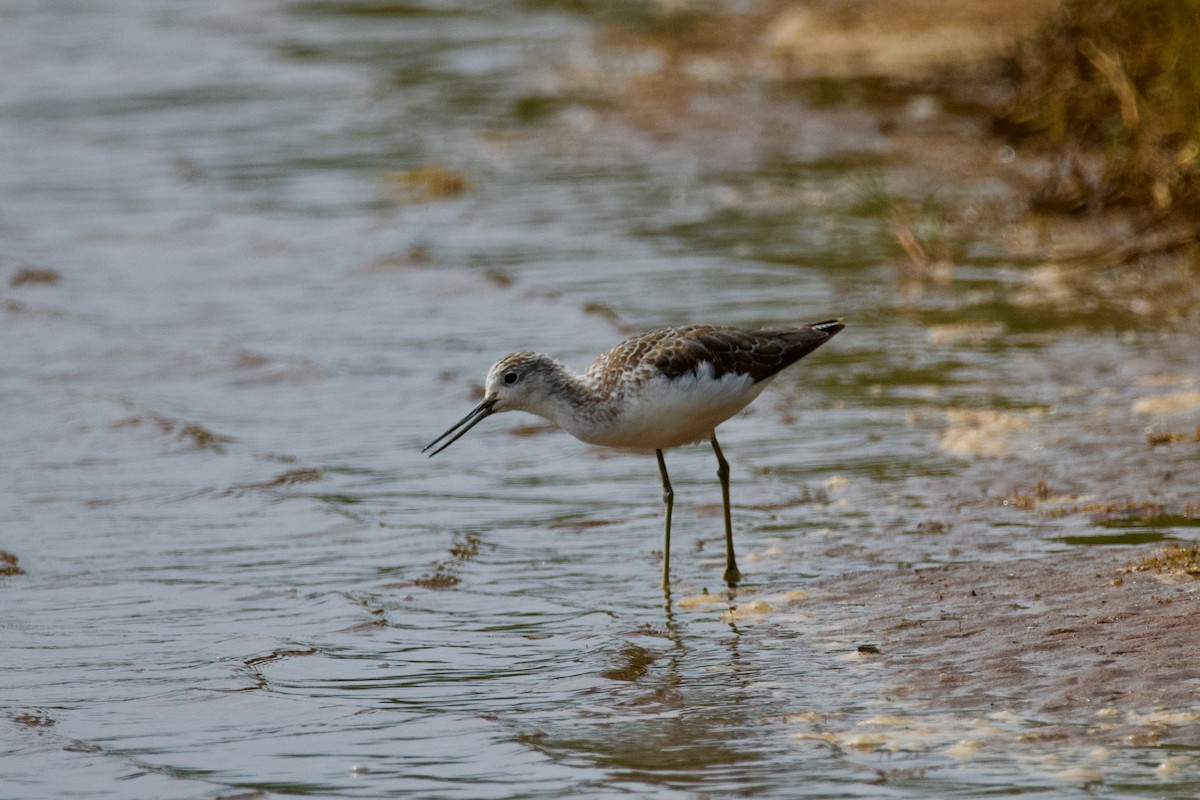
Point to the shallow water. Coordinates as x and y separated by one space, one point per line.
239 572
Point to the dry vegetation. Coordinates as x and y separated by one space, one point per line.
1112 89
1109 90
1173 559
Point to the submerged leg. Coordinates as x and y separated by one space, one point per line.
668 501
732 575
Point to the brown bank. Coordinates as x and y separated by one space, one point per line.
1102 650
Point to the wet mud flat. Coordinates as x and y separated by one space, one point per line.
1023 598
1095 649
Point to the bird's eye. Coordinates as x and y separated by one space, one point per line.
511 377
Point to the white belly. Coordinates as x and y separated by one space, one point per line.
668 413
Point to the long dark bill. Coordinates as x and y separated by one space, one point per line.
478 413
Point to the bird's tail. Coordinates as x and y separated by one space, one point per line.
829 327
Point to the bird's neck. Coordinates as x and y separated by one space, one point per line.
572 402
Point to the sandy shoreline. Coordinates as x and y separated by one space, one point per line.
1081 642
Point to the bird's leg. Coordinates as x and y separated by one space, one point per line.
732 575
668 501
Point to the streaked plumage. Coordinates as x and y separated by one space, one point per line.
660 389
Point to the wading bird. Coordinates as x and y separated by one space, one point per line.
657 390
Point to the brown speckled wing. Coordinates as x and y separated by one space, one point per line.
675 352
758 353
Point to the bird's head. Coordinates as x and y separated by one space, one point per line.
518 382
